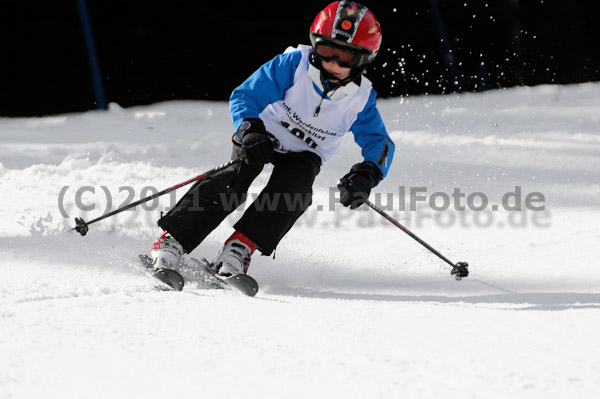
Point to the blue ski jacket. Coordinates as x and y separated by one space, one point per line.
285 93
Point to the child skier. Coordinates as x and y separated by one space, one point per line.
292 112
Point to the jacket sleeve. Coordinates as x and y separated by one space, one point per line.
371 135
265 86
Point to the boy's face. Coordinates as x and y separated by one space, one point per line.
338 62
333 68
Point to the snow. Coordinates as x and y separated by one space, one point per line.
351 306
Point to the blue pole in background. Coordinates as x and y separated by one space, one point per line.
89 43
448 56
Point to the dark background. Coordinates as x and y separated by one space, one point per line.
150 51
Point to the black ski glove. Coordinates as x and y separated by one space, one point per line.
356 185
258 145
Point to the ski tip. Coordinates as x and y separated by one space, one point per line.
246 284
240 282
170 278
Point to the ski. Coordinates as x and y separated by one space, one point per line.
240 282
168 276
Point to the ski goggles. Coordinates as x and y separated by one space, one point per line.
343 58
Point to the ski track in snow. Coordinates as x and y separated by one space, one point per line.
350 306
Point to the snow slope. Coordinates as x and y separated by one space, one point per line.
351 306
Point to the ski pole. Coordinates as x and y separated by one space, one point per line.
459 270
81 226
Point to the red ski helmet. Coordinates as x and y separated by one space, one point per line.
350 26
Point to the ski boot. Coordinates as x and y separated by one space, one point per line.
234 257
166 252
165 256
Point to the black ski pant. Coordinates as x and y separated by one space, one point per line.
284 199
